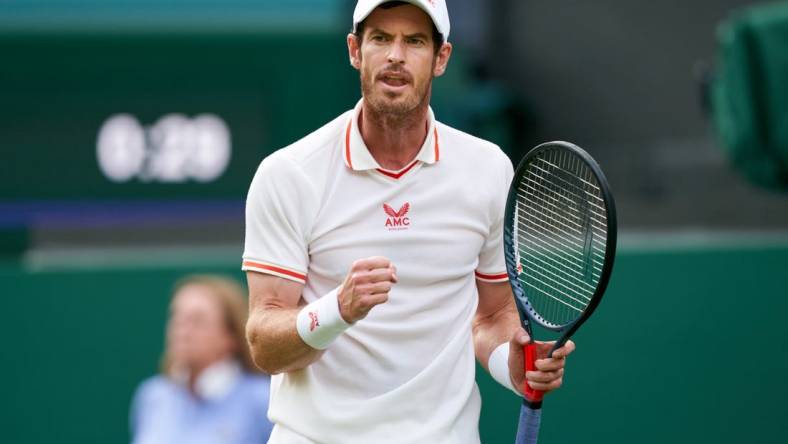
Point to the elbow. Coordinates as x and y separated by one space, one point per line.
263 360
268 348
257 349
265 365
479 325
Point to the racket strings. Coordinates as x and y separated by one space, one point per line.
575 225
592 198
560 235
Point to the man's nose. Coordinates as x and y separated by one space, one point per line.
397 52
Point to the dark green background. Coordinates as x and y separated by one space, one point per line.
58 89
687 346
271 88
749 95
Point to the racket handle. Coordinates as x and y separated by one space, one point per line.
532 395
528 427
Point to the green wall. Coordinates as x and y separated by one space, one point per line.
58 89
688 346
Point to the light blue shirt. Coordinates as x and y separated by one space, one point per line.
164 412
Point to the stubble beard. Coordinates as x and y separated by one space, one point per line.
397 111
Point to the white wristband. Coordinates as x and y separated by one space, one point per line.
499 367
320 322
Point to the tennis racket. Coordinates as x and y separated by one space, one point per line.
559 244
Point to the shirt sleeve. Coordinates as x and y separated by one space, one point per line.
492 267
279 213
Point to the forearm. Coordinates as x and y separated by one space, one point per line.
493 330
275 344
285 336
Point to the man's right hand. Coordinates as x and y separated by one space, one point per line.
367 284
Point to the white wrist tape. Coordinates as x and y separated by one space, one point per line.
499 367
320 322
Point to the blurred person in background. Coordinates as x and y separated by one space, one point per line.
209 390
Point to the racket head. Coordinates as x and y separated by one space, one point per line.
559 237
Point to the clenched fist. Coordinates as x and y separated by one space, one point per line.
367 284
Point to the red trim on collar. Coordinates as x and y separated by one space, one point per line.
347 144
437 151
382 171
400 174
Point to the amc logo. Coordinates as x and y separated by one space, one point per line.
396 220
175 149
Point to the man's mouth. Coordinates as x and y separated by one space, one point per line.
394 79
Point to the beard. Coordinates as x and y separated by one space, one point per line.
387 104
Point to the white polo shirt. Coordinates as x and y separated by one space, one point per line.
406 372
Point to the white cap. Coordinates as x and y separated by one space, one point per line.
436 9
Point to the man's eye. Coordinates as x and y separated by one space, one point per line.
416 42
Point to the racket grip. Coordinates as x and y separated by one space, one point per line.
528 427
531 394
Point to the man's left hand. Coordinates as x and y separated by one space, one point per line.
549 372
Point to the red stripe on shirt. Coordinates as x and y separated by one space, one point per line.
275 269
492 277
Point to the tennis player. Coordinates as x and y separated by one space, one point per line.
374 257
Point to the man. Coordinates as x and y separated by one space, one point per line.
387 224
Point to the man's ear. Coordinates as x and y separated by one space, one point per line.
442 60
354 50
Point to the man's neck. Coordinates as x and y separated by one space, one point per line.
393 141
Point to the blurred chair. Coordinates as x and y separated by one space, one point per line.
209 391
748 96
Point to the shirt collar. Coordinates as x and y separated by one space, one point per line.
215 381
358 157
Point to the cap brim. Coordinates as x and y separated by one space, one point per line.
361 15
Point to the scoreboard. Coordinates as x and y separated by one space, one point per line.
166 106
